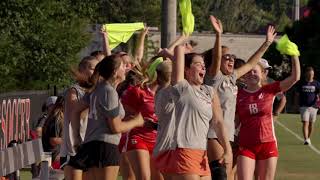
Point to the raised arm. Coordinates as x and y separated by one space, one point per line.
294 76
180 40
140 48
106 47
217 50
254 59
177 74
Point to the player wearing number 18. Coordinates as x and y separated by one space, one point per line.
257 143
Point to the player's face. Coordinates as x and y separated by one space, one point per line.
121 71
88 71
195 74
127 62
254 76
227 64
310 74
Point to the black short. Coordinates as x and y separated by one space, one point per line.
64 161
96 154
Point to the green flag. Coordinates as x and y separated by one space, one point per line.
120 32
153 66
187 16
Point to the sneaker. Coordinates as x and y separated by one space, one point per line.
307 141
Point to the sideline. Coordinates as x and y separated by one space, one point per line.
297 136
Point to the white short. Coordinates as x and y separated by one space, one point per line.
308 114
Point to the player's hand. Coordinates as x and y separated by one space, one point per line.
271 34
217 25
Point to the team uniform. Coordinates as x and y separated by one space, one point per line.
256 137
68 147
138 99
227 90
184 114
100 145
308 92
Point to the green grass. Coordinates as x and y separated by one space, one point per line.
296 161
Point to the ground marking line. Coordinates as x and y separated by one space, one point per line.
298 137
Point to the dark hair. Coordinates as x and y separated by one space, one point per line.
108 65
56 114
96 53
238 63
309 68
193 43
132 79
85 61
207 57
189 57
105 68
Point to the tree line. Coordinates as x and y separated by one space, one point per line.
41 39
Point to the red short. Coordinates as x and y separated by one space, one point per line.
134 142
183 161
260 151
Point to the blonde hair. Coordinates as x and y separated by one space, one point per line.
160 74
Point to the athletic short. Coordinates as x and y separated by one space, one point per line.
64 161
308 114
96 154
260 151
183 161
235 149
136 142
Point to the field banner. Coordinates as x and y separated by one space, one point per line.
19 112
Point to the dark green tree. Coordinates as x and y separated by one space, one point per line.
237 15
39 40
305 33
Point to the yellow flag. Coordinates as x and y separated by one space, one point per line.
153 66
187 16
120 32
285 46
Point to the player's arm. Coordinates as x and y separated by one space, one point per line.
106 46
279 108
178 65
140 48
294 76
217 50
255 58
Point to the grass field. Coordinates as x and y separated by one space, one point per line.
296 161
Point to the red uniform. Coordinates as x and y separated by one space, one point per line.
255 114
137 99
